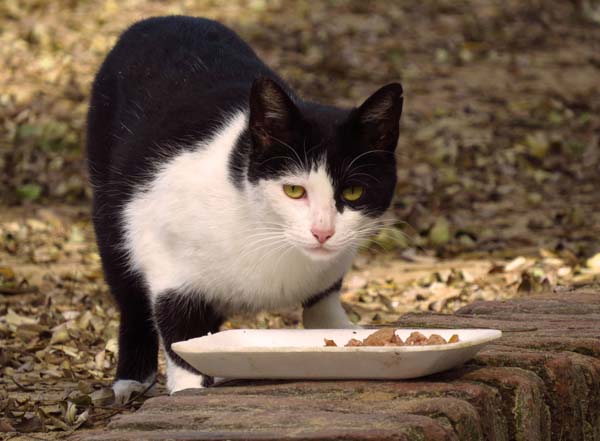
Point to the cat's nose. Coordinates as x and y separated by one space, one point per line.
322 235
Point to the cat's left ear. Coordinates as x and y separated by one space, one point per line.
378 118
272 114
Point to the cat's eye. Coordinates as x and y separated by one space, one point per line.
353 193
294 191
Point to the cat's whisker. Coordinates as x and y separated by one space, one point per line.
367 246
363 174
260 237
266 227
263 234
365 233
304 148
269 253
358 167
277 157
254 233
251 230
260 244
285 144
269 223
361 237
290 247
391 229
364 154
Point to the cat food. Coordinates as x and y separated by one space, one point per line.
388 337
416 338
435 339
354 342
382 337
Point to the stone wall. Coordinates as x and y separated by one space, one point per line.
541 381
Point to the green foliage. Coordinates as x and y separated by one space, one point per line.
29 192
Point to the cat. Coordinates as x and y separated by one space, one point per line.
217 190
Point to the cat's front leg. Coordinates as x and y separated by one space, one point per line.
325 311
181 316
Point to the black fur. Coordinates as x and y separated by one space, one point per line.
320 296
172 81
358 145
181 316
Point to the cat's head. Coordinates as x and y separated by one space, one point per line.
322 176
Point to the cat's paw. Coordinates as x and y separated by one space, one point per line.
124 390
180 379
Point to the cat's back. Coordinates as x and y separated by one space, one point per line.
183 44
167 83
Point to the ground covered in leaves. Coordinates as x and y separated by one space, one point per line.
499 167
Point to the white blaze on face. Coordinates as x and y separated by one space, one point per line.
316 212
321 202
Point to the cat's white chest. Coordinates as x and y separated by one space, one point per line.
271 277
192 230
218 260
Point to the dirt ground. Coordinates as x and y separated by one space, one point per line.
499 161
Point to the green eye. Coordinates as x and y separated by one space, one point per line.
294 191
353 193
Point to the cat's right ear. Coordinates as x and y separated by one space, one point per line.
378 118
272 114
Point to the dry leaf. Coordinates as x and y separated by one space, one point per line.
15 319
60 334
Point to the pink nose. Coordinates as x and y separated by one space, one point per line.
322 235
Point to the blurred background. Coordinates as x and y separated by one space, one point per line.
499 161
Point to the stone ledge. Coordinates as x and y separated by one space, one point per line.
541 381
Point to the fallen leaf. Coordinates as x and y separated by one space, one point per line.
60 334
594 263
7 273
440 232
15 319
6 426
102 397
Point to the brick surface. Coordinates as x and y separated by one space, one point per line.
572 381
541 381
524 399
386 397
270 417
578 303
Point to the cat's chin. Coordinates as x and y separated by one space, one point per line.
319 253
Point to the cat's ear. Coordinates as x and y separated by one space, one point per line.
378 118
272 113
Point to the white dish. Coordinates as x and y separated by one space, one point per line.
298 354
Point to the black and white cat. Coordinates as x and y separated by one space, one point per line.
217 190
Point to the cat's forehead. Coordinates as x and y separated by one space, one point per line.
316 173
320 181
325 160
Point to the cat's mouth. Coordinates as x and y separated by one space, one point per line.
319 251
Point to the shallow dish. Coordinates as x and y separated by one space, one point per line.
298 353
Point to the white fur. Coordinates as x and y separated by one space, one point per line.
181 379
326 314
192 229
125 389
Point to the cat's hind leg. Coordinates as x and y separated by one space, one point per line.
181 316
